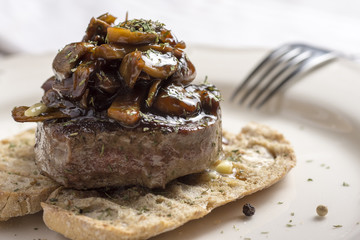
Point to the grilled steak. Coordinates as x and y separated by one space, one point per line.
92 153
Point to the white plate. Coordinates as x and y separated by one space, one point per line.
319 115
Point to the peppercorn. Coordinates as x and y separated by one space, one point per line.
321 210
248 210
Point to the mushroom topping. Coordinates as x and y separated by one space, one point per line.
68 58
120 71
176 100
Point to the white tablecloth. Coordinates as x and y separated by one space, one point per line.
38 26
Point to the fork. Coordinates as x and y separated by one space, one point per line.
280 67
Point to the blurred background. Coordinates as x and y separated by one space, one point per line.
40 26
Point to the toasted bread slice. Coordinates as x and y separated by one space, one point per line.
22 188
259 155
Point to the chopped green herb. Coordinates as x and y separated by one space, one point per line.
82 82
73 134
68 54
345 184
12 145
74 59
102 150
67 123
290 225
36 228
143 210
110 168
292 214
142 25
17 189
92 101
53 200
264 232
309 179
206 80
280 203
309 161
337 226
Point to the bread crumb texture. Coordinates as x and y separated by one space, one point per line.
260 155
22 188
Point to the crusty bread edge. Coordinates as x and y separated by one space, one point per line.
26 201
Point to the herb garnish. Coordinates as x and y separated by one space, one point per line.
142 25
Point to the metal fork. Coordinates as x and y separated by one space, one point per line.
278 69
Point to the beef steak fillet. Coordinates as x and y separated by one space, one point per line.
90 153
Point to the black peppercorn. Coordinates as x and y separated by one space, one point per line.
248 210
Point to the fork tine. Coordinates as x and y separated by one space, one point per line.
276 53
295 61
302 68
289 55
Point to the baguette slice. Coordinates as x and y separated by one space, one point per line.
260 157
22 188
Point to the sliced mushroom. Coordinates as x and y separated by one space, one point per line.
81 78
166 36
64 88
210 97
18 114
159 65
68 58
47 85
153 92
130 68
74 87
126 108
123 35
110 52
108 80
108 18
185 72
175 100
84 101
96 31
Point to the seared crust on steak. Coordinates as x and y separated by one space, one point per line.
90 153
